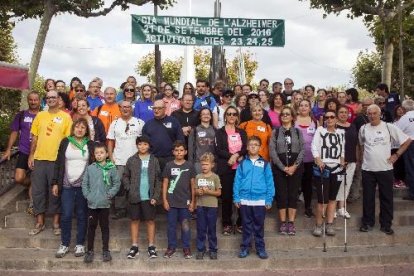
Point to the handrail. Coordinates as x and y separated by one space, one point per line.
7 168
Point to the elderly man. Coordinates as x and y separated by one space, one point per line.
122 136
375 139
406 124
109 111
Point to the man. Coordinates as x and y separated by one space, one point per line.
122 136
375 139
391 99
187 116
94 99
218 90
246 89
48 129
203 97
264 84
109 111
309 93
163 131
20 127
385 114
288 83
100 85
277 87
406 124
60 86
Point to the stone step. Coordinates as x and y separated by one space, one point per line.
19 238
44 260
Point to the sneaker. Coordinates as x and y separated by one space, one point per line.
262 254
243 253
106 256
239 229
309 213
119 214
152 253
133 251
187 253
387 230
227 230
88 257
200 255
365 228
79 250
335 215
330 230
62 251
343 213
317 231
169 253
291 229
283 230
213 255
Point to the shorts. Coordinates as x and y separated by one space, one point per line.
142 211
22 161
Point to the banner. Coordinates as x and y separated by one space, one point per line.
208 31
14 76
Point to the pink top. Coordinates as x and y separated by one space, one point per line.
274 117
171 105
235 144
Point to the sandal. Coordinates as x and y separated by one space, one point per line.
38 228
56 230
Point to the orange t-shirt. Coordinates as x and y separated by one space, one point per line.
261 130
107 114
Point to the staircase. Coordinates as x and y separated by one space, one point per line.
372 252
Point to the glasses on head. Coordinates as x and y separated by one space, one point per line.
285 114
127 128
80 90
51 98
129 90
234 114
330 117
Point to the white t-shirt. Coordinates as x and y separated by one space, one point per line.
220 111
329 146
377 142
75 162
406 124
125 135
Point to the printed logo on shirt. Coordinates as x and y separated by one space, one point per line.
234 137
174 105
145 164
202 182
331 146
390 100
175 171
202 134
411 120
168 125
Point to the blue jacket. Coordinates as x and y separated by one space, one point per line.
143 110
254 181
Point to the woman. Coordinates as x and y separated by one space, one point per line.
143 107
286 151
264 99
96 127
74 155
329 153
277 101
353 100
240 101
351 154
230 145
342 99
330 104
201 138
129 95
171 103
72 87
307 125
297 98
237 89
226 99
399 166
256 127
188 88
319 108
64 103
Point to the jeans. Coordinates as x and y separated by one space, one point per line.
206 226
182 215
253 224
71 197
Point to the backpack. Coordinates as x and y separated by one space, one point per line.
363 132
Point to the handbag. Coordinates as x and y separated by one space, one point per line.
318 173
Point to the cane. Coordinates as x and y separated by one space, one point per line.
323 215
345 219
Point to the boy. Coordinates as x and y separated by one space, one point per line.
142 182
178 194
253 193
100 184
208 189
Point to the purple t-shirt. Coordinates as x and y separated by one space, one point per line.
307 133
23 123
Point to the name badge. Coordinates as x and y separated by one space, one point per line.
57 120
202 134
174 105
288 98
233 138
202 183
390 100
310 130
104 113
168 125
259 164
175 171
340 177
261 128
28 119
203 103
150 107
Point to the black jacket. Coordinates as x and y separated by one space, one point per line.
100 134
222 149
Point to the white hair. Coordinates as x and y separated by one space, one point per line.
374 107
408 105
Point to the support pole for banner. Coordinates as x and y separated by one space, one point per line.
157 53
218 62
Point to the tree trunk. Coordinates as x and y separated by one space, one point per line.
49 11
387 62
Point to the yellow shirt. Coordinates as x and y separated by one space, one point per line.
50 129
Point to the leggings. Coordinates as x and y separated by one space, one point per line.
287 188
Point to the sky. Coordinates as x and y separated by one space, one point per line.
317 51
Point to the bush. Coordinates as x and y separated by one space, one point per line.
9 106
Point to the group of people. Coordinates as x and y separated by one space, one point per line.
144 146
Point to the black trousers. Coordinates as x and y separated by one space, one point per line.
385 180
227 181
100 216
287 188
307 188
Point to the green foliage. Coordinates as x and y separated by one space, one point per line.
366 73
7 44
9 106
250 67
170 68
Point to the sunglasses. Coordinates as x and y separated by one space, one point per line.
329 117
79 90
51 98
231 114
285 114
253 97
129 90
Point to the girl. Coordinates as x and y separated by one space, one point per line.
143 107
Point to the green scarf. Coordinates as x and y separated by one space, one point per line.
80 146
109 165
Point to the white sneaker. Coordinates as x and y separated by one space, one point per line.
335 215
61 251
343 213
79 250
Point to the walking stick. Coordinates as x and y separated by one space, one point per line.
345 219
323 215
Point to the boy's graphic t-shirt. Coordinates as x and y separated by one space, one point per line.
179 183
212 183
144 184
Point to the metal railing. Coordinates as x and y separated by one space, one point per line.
7 168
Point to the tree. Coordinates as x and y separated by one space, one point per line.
46 9
171 68
7 44
386 11
366 73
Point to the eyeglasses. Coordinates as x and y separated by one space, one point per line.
231 114
129 90
288 83
126 106
285 114
127 128
330 117
51 98
157 107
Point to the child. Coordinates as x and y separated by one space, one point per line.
208 189
142 182
178 194
253 193
100 184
